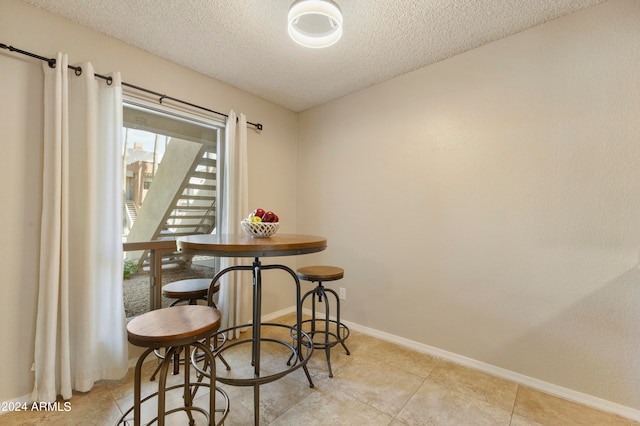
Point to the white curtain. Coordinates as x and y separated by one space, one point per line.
81 324
234 299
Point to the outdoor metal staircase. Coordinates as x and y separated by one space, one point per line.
131 213
194 208
191 211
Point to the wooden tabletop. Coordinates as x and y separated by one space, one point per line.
241 245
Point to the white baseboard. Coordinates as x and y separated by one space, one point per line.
546 387
280 313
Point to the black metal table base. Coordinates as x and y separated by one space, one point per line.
299 358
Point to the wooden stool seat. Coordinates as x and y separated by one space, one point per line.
175 326
320 273
190 289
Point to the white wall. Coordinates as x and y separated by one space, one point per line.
489 205
272 158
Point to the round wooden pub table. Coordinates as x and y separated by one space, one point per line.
240 245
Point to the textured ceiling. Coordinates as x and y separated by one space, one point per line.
245 43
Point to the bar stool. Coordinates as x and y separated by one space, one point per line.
320 274
190 290
176 328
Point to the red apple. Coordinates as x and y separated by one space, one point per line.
269 217
258 212
276 219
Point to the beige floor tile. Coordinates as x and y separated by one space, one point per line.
275 399
357 344
94 408
493 390
238 414
22 418
437 404
551 411
406 359
518 420
331 408
362 344
374 383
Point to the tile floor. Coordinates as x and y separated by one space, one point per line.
378 384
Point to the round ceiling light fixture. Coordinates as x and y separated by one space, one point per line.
315 23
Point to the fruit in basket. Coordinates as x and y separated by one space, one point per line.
260 215
269 217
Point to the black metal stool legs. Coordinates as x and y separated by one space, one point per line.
189 389
339 325
327 348
330 338
176 356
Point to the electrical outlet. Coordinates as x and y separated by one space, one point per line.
343 293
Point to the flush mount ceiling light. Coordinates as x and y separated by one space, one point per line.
315 23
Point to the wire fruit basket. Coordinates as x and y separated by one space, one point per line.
259 229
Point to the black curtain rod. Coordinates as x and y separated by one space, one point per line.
78 70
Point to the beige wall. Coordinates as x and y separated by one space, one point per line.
489 205
272 158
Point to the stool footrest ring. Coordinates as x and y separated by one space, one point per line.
124 421
333 337
300 359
